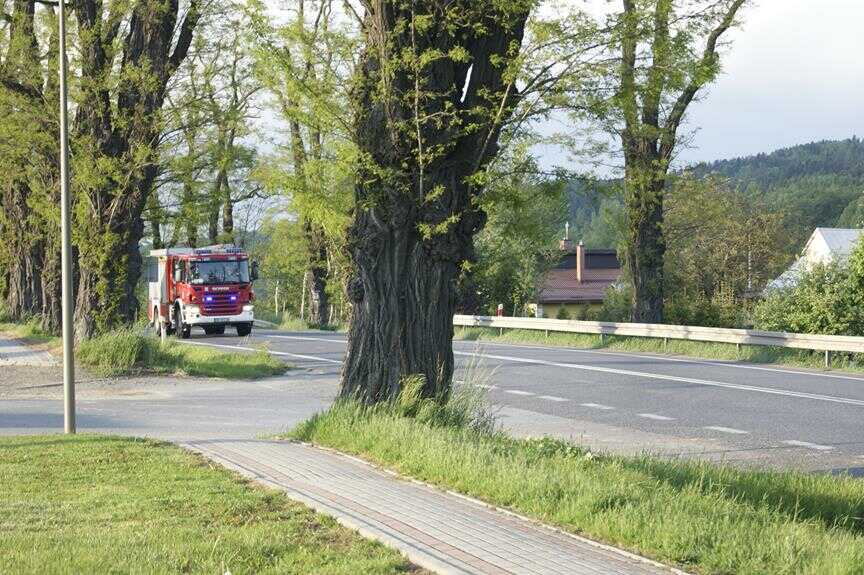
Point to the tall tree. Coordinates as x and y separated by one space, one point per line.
668 53
306 65
434 86
116 131
207 160
21 105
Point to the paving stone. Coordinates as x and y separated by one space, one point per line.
440 531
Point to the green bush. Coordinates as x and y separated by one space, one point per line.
723 309
827 299
562 313
616 305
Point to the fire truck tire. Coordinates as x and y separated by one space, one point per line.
214 330
244 329
182 330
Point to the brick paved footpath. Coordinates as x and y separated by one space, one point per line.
437 530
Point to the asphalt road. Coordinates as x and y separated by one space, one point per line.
618 402
630 403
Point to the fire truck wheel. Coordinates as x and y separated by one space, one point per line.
244 329
214 330
182 330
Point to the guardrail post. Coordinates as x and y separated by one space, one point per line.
737 350
547 333
665 343
827 358
602 339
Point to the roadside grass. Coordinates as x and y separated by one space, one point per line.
100 504
703 517
705 350
290 322
125 352
30 332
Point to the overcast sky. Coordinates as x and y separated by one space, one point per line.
794 74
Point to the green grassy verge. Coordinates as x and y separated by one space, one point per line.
705 350
96 504
705 518
127 352
31 333
288 322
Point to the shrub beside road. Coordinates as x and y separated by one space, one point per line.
706 518
97 504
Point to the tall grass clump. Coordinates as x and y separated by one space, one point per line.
131 351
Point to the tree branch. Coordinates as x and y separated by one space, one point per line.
709 55
184 40
19 88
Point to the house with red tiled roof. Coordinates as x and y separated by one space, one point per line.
578 282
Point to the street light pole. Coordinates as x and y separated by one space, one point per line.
66 257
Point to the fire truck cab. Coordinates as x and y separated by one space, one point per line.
208 287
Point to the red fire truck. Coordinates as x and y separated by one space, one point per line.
207 287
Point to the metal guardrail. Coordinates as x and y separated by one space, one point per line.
825 343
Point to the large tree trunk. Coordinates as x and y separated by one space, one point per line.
646 250
51 290
227 215
316 246
103 278
404 299
24 248
423 144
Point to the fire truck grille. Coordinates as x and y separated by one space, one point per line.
227 303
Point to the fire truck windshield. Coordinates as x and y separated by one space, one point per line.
219 272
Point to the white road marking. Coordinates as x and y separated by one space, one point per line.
597 406
553 398
741 387
621 354
517 392
656 417
753 388
730 363
270 351
722 429
808 445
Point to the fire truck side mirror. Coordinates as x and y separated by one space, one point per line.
254 273
178 273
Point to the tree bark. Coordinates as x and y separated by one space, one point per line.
316 246
426 130
404 298
646 248
227 214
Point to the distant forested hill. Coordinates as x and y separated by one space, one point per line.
767 170
810 185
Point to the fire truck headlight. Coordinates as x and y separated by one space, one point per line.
192 309
248 307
